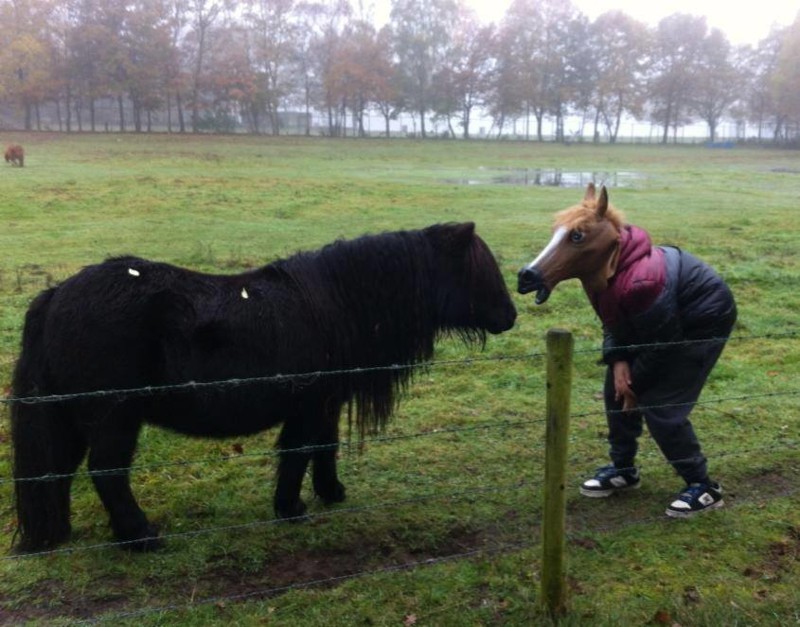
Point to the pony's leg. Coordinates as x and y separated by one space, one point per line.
74 451
291 468
326 483
111 448
45 442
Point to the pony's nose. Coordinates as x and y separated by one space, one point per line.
528 280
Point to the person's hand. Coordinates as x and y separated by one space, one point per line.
622 385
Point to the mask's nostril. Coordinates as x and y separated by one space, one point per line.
528 275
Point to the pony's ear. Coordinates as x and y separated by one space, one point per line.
463 233
602 202
589 195
452 237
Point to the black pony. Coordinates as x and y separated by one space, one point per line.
129 323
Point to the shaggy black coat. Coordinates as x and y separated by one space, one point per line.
128 323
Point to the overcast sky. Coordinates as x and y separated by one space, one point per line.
747 23
742 22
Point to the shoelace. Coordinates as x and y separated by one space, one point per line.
605 472
692 492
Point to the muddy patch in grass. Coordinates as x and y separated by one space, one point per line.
223 583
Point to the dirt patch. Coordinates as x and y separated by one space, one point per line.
224 583
780 557
221 583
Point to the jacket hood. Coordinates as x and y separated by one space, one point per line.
638 281
634 243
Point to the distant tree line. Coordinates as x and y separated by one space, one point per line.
191 65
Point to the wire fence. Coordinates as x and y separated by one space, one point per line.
189 386
307 377
527 487
484 552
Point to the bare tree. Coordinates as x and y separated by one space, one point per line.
621 49
758 65
678 41
540 46
462 83
329 56
786 81
718 81
421 35
203 14
519 55
274 26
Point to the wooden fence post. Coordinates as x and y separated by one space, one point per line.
559 383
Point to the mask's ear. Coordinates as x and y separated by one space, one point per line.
613 260
602 202
589 195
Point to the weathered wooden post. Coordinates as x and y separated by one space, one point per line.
559 384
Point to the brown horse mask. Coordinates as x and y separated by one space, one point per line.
585 246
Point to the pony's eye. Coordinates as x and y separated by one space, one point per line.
576 236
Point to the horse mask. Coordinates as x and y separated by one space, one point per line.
584 246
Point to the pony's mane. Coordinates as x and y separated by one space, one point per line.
370 279
584 215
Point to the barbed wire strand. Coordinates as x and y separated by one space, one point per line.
572 534
150 390
344 444
790 445
410 566
272 521
347 510
665 520
278 378
386 438
381 439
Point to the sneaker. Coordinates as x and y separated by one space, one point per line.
610 479
696 498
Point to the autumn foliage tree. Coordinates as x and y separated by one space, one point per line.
328 66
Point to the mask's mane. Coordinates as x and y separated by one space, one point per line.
582 217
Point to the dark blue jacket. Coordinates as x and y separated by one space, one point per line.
659 294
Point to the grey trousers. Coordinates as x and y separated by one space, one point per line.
665 406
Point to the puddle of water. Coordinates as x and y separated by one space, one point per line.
551 177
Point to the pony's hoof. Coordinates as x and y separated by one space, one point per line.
336 495
147 544
291 512
39 543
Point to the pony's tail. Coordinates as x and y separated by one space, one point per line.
46 444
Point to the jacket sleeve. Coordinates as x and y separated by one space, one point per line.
656 331
613 349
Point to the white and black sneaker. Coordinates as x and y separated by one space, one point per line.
696 498
610 479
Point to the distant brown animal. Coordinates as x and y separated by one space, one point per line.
15 155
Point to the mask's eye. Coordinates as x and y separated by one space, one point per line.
576 237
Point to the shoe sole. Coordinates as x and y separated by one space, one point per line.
672 513
601 494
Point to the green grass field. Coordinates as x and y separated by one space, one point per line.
441 525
